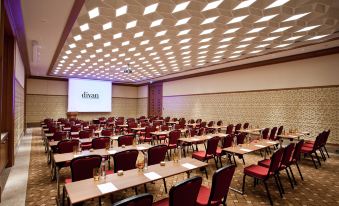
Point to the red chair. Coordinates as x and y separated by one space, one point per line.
310 150
100 142
285 163
173 140
147 137
125 140
145 199
263 173
184 193
322 144
296 157
156 154
237 127
273 133
220 185
245 126
167 119
226 142
125 160
82 168
280 130
198 121
229 129
210 152
106 133
160 138
58 136
265 132
85 134
66 146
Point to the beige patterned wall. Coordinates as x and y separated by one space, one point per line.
39 107
19 114
142 106
310 109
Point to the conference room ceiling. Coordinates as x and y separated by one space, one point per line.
157 39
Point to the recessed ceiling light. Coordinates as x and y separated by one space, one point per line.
68 52
139 34
97 36
281 45
293 38
271 38
237 19
212 5
84 27
244 4
255 51
131 24
255 30
72 46
144 42
121 11
205 40
117 35
77 37
262 45
248 39
185 47
318 37
151 8
204 47
156 23
296 17
233 57
182 21
125 43
183 32
223 46
98 50
242 46
106 44
277 3
106 26
207 31
167 48
164 41
281 29
149 48
181 6
115 50
266 18
161 33
230 31
209 20
93 13
308 28
227 39
184 40
238 52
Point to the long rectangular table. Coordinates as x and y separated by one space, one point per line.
130 178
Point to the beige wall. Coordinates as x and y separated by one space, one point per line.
142 101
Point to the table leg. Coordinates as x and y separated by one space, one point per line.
58 184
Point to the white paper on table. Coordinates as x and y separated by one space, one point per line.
194 139
259 145
111 152
107 188
78 155
141 148
271 142
152 175
246 150
189 166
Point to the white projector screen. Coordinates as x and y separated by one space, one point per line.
89 95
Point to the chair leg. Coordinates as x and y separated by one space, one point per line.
145 188
268 193
165 186
278 186
99 201
322 154
63 196
289 178
243 184
216 162
281 186
315 165
235 163
206 172
243 159
220 161
295 182
326 152
316 155
301 176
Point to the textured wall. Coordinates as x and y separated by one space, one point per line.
142 106
39 107
310 109
19 112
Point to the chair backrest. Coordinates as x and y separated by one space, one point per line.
241 138
106 132
175 119
125 160
201 131
297 150
275 161
145 199
92 127
100 142
280 130
84 134
246 125
191 121
265 132
58 136
287 156
221 182
227 141
75 129
66 146
164 128
167 119
156 154
192 132
210 124
203 124
238 127
325 138
173 137
125 140
185 192
229 129
177 126
273 132
212 145
82 167
198 120
318 140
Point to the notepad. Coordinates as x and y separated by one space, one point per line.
111 152
152 175
259 145
77 155
107 188
271 142
141 148
194 139
189 166
245 150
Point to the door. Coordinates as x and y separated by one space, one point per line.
155 99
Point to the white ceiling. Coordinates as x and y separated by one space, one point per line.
166 54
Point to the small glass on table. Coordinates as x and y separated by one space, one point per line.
96 174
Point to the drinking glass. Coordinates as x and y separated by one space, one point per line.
140 165
96 174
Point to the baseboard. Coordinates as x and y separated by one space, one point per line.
33 124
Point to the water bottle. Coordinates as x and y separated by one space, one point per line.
145 160
103 169
235 141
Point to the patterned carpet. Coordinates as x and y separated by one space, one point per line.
321 186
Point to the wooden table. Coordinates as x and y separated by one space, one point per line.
193 125
172 123
55 143
65 157
130 178
293 136
138 129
